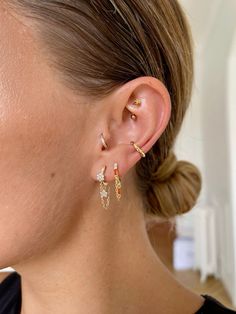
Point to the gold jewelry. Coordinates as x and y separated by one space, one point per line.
133 116
117 182
138 149
137 102
103 141
104 188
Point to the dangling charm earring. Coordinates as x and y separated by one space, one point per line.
104 188
117 182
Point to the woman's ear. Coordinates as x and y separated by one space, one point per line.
152 116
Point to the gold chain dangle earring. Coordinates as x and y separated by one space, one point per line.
138 149
104 188
117 181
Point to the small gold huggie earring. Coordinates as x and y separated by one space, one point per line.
104 188
138 149
117 182
103 141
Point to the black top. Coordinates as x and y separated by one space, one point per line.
10 294
10 298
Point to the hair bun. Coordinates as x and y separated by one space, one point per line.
166 169
172 189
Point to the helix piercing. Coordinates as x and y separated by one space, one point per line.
138 149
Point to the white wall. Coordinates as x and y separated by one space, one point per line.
215 124
205 136
231 115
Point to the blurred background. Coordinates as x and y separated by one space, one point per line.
201 250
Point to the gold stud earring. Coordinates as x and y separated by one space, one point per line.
137 102
117 181
133 116
104 188
138 149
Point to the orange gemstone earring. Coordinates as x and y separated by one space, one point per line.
117 181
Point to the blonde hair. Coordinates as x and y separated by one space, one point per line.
99 45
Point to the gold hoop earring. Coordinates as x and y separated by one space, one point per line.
138 149
117 181
103 141
104 189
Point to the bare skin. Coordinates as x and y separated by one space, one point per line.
73 255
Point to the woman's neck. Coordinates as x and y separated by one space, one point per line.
106 265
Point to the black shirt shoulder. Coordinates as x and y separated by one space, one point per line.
213 306
10 294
